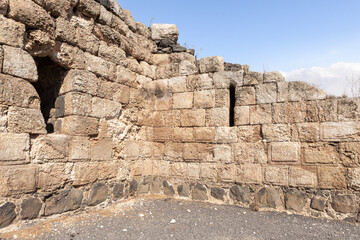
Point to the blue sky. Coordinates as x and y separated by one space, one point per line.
269 35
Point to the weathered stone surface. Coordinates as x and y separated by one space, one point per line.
195 151
4 4
253 78
39 43
101 150
187 68
58 8
276 132
118 190
320 153
31 14
222 98
89 8
309 132
285 152
19 63
68 56
282 91
183 190
163 134
168 189
164 31
211 64
225 135
30 208
354 175
98 194
268 198
245 96
204 99
318 203
217 117
249 133
22 120
192 118
204 134
78 125
242 115
260 114
217 193
248 173
12 184
7 214
249 152
99 66
14 147
345 204
52 176
350 154
74 104
240 194
336 131
226 79
184 134
12 32
266 93
222 153
331 177
199 193
66 200
327 110
79 81
305 177
50 147
277 175
106 109
295 200
183 100
302 91
273 77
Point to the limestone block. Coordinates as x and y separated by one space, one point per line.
122 94
12 32
101 149
217 117
1 57
195 151
18 92
250 152
331 177
227 173
223 154
193 171
14 148
178 57
226 78
173 151
148 70
85 173
19 63
134 66
199 82
285 152
302 177
76 104
79 125
248 173
209 171
204 99
282 91
114 7
39 43
211 64
204 134
178 170
348 109
65 31
161 87
277 175
4 4
276 132
354 174
3 118
58 8
184 134
31 14
183 100
52 176
222 98
225 135
245 96
125 76
79 148
338 131
350 154
110 35
103 108
260 114
79 81
320 153
164 102
273 77
167 71
163 134
89 8
165 119
163 168
309 132
142 29
253 78
65 200
164 31
50 147
266 93
301 91
105 17
249 133
23 120
99 66
177 84
242 115
187 68
161 59
68 56
192 118
17 180
327 110
87 41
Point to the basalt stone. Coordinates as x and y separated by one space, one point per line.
268 198
155 186
30 208
133 187
178 48
344 204
145 185
165 43
184 190
295 200
199 193
66 200
218 193
240 194
168 190
118 190
318 203
7 214
98 194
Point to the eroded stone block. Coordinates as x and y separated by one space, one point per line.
23 120
285 152
305 177
211 64
217 117
260 114
12 32
192 118
14 147
13 184
266 93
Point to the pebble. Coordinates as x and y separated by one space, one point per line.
173 221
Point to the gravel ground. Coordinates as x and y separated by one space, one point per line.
162 219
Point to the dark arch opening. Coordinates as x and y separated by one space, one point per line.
50 79
232 105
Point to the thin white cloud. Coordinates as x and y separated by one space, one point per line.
337 79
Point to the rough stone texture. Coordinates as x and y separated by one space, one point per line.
22 120
164 31
318 203
253 78
300 91
168 189
350 154
211 64
285 152
344 204
118 190
12 32
4 4
199 193
268 198
30 208
217 193
266 93
240 194
98 194
66 200
295 200
19 63
7 214
11 184
14 147
184 190
273 77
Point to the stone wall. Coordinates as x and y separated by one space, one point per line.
96 107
